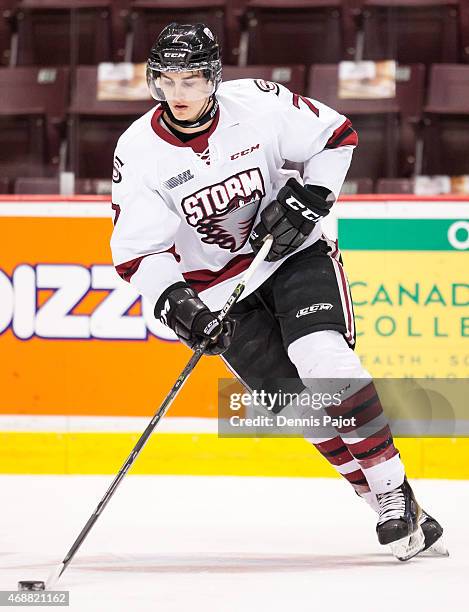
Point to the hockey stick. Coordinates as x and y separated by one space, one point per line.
234 297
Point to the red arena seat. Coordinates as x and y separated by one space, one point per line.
63 32
32 119
446 121
387 128
149 17
423 31
297 31
95 125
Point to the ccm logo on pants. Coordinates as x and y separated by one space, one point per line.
313 308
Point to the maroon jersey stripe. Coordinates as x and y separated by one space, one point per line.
343 135
127 269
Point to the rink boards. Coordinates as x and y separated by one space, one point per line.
84 363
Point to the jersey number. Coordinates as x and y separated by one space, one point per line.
296 102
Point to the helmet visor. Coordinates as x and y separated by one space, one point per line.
168 84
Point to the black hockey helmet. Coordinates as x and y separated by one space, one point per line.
184 48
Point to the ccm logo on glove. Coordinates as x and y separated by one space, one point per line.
295 204
208 329
290 218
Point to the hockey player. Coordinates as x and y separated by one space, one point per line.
198 183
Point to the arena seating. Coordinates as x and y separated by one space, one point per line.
297 31
234 16
387 128
32 119
5 30
63 32
295 42
423 31
95 126
446 121
275 31
148 18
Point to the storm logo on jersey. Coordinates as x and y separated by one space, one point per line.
224 213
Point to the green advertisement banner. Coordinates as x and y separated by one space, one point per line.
409 280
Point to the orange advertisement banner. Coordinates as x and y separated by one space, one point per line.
74 338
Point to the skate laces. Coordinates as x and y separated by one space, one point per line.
391 505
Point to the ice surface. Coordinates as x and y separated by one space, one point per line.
226 544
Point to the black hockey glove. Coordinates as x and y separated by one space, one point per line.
183 311
290 218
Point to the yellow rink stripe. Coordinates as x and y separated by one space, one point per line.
206 454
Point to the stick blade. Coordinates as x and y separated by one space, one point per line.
31 585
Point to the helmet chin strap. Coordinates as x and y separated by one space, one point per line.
206 114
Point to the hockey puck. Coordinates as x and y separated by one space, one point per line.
31 585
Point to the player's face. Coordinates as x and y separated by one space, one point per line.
186 93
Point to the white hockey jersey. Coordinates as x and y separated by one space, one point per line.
184 211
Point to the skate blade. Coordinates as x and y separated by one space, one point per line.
406 548
437 549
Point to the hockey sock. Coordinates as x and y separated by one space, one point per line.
338 455
340 458
324 361
369 440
